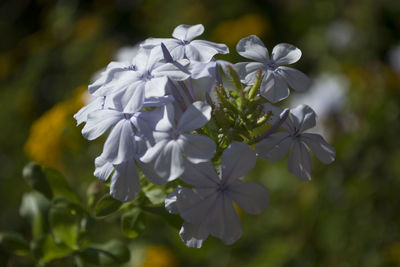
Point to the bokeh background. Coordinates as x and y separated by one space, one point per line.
348 215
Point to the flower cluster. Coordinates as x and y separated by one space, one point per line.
168 113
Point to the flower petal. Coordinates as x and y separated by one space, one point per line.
194 117
188 32
193 207
155 87
175 71
99 121
296 79
237 160
170 201
135 101
284 54
150 174
200 175
274 147
193 54
152 152
112 72
248 71
321 149
125 183
103 169
82 115
198 148
303 117
300 163
193 235
250 197
208 49
253 48
178 52
274 88
224 221
119 146
169 163
151 43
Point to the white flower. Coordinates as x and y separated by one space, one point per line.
183 45
275 146
120 144
276 78
125 183
208 207
173 140
146 73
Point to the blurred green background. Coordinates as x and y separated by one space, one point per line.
348 215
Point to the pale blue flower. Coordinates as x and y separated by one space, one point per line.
208 209
183 45
174 142
125 182
120 144
276 146
146 73
276 78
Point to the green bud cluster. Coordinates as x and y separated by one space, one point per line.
238 115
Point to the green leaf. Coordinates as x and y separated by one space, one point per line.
46 249
34 207
15 243
48 181
108 254
174 220
36 179
59 185
65 218
106 206
133 223
156 195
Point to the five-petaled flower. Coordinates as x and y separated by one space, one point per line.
276 78
173 140
275 146
208 209
183 45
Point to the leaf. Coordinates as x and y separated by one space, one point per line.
15 243
46 249
65 218
156 195
34 207
108 254
36 179
133 223
48 181
59 185
106 206
174 220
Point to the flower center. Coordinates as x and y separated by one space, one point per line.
128 116
147 76
131 67
184 42
222 188
175 134
271 65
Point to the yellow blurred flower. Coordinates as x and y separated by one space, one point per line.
231 31
88 27
159 256
45 143
393 253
